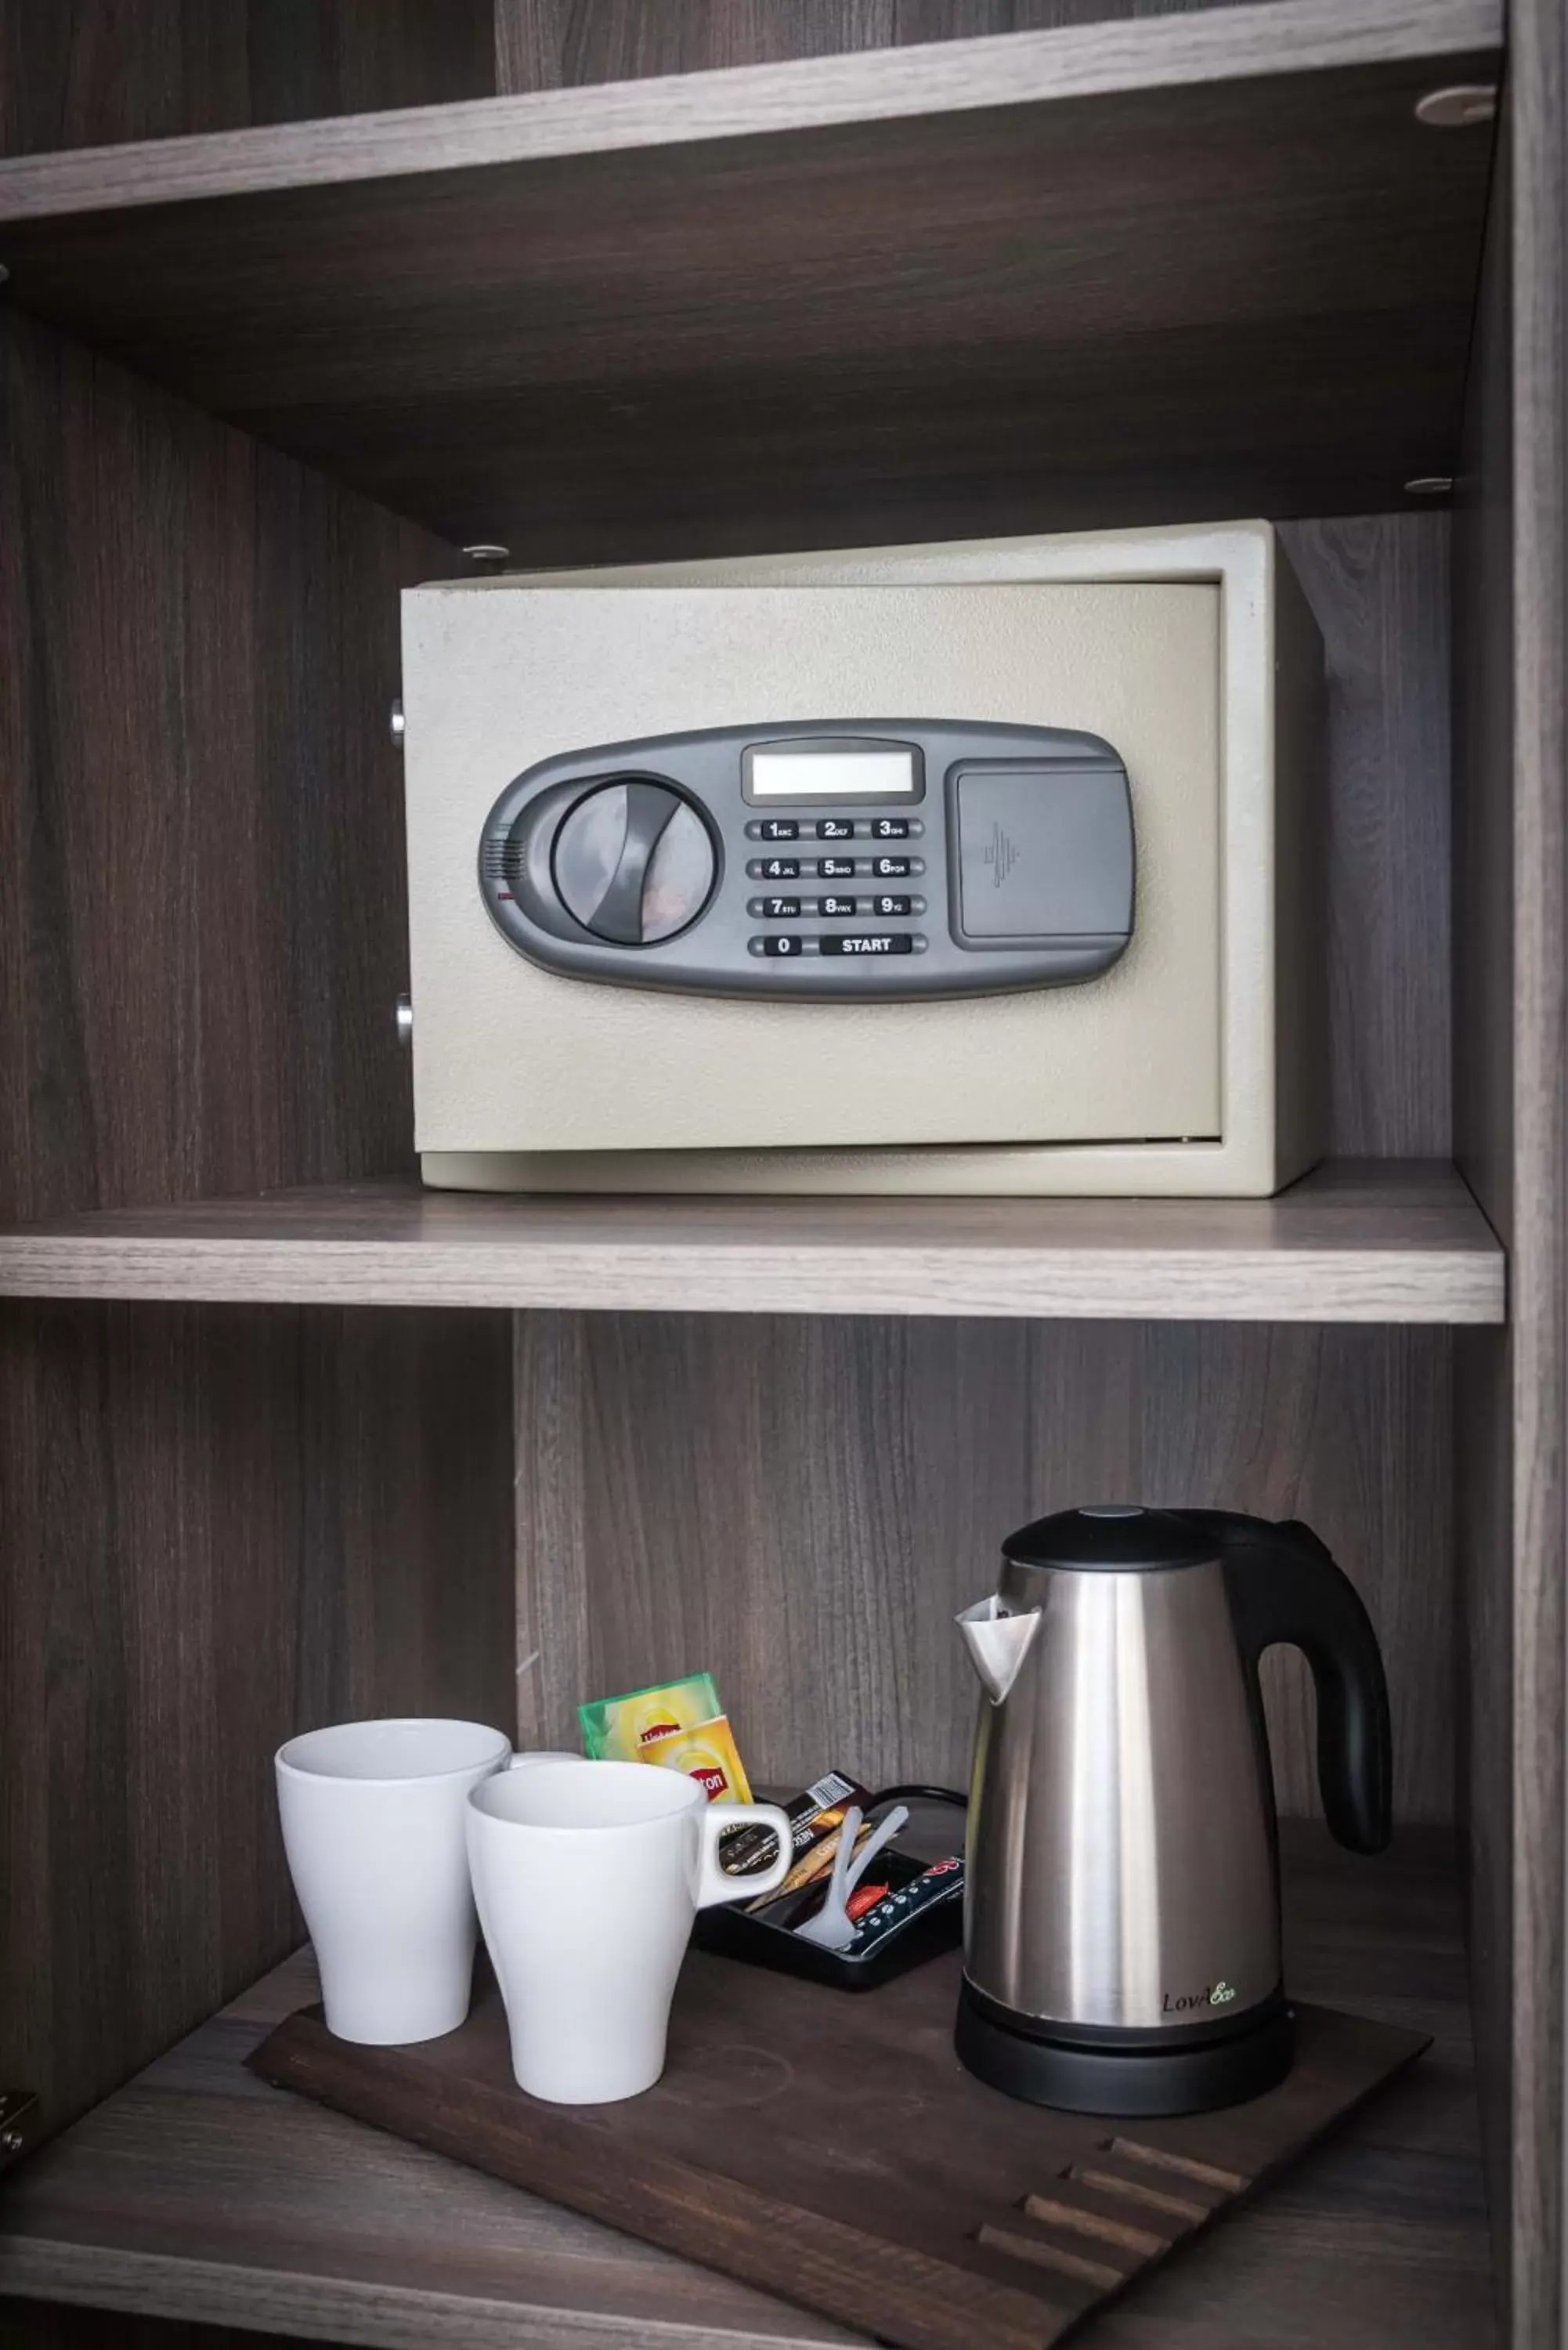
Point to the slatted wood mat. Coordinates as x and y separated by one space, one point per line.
833 2150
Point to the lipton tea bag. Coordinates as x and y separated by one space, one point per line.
708 1754
619 1729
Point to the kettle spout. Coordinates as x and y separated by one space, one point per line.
997 1643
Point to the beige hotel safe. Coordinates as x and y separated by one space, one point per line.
1193 1066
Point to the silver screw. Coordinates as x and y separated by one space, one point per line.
1460 108
1429 485
396 724
405 1018
11 2141
4 273
486 554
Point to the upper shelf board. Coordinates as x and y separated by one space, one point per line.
1167 269
1371 1240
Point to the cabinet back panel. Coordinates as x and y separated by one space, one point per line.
91 73
803 1505
556 44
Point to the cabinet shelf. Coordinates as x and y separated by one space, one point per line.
198 2193
1178 268
1357 1241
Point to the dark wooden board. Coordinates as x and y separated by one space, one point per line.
835 2151
1211 269
198 2192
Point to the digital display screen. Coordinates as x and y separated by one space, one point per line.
888 773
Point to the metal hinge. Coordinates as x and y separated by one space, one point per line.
20 2124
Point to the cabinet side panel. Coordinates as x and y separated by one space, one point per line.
217 1525
1538 75
1484 803
1511 1074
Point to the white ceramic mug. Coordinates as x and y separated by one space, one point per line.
373 1826
587 1883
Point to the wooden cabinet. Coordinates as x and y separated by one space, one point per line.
282 1439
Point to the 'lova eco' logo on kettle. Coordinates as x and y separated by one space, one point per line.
1213 1995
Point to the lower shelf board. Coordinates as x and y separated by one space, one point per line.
197 2193
1356 1240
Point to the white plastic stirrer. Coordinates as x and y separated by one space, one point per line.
832 1929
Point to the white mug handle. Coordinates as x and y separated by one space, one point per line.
719 1817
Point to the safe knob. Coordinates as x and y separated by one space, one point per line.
634 862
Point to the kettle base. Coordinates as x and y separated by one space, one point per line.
1128 2079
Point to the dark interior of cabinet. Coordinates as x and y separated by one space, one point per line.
224 1524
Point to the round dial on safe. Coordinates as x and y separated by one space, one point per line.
634 862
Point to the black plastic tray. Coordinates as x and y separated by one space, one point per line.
733 1934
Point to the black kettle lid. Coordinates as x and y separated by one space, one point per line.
1113 1537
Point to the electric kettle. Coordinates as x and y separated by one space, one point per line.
1121 1906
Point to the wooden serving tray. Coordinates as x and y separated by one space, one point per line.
833 2150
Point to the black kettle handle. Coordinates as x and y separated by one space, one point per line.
1284 1586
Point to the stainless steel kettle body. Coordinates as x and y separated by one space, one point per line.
1122 1937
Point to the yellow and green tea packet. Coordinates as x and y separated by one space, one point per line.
618 1729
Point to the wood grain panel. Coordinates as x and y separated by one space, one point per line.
1108 274
1484 1370
1539 342
221 1527
1378 587
217 1526
1010 2225
90 73
802 1505
198 2192
1356 1240
561 44
1512 1089
202 891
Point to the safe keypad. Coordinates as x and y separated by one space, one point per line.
785 946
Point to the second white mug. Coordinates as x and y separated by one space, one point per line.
587 1881
372 1820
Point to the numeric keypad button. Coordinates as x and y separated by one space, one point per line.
890 827
784 910
891 868
780 868
779 947
892 906
835 827
778 828
836 905
835 869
